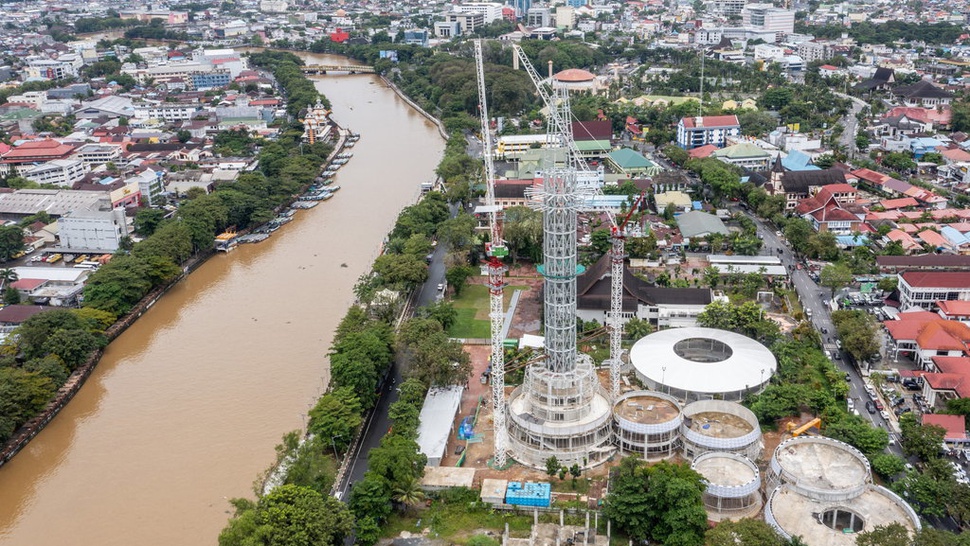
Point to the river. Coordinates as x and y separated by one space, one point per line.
185 408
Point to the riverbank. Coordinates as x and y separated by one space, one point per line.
441 126
78 377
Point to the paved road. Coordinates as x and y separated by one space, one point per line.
815 299
851 124
378 423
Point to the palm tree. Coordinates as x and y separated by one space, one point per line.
7 275
409 494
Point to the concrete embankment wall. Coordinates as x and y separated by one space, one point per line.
407 99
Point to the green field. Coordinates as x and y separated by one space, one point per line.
472 309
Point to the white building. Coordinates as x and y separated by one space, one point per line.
768 17
36 99
273 6
490 11
59 172
151 184
97 154
168 111
93 230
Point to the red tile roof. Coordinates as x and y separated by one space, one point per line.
27 284
955 425
937 279
900 203
958 308
711 121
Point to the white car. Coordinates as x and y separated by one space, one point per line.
441 287
850 404
884 414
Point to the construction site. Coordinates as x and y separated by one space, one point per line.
675 395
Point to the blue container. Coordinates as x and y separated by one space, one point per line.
529 494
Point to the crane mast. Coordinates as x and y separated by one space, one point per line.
559 117
495 249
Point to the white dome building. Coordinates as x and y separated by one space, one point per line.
702 363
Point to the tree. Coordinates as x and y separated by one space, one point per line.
858 332
661 502
887 465
893 534
457 277
336 416
636 328
371 497
11 242
458 232
22 395
743 532
401 270
147 220
798 231
367 531
443 312
552 466
397 460
289 516
409 494
923 441
835 276
522 230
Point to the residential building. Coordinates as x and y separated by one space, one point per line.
924 336
447 29
693 132
273 6
663 307
204 82
728 7
151 185
925 288
93 230
923 93
167 111
467 22
59 172
539 16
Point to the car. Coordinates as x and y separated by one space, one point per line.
441 287
777 234
884 414
878 405
838 355
838 343
848 377
825 330
850 404
870 407
902 410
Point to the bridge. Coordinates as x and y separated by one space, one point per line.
327 68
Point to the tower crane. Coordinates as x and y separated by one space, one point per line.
560 120
495 249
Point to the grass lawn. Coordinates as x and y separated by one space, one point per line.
456 523
472 308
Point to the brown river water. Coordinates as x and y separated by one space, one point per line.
185 408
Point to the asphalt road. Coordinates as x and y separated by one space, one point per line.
816 299
378 422
851 124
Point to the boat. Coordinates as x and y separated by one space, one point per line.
332 189
345 155
305 204
350 143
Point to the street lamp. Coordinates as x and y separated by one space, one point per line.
334 444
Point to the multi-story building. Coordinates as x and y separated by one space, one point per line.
728 7
98 154
36 99
522 6
768 17
813 51
273 6
539 16
168 111
151 184
49 69
99 230
447 29
925 288
59 172
490 11
467 22
204 82
694 132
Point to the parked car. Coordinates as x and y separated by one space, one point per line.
870 407
878 404
901 410
884 414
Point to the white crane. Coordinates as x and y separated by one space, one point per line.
560 121
495 249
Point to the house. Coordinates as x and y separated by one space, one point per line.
663 307
825 211
798 185
881 79
923 93
925 335
693 132
925 288
955 427
954 310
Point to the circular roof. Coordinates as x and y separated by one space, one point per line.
575 75
703 360
340 13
